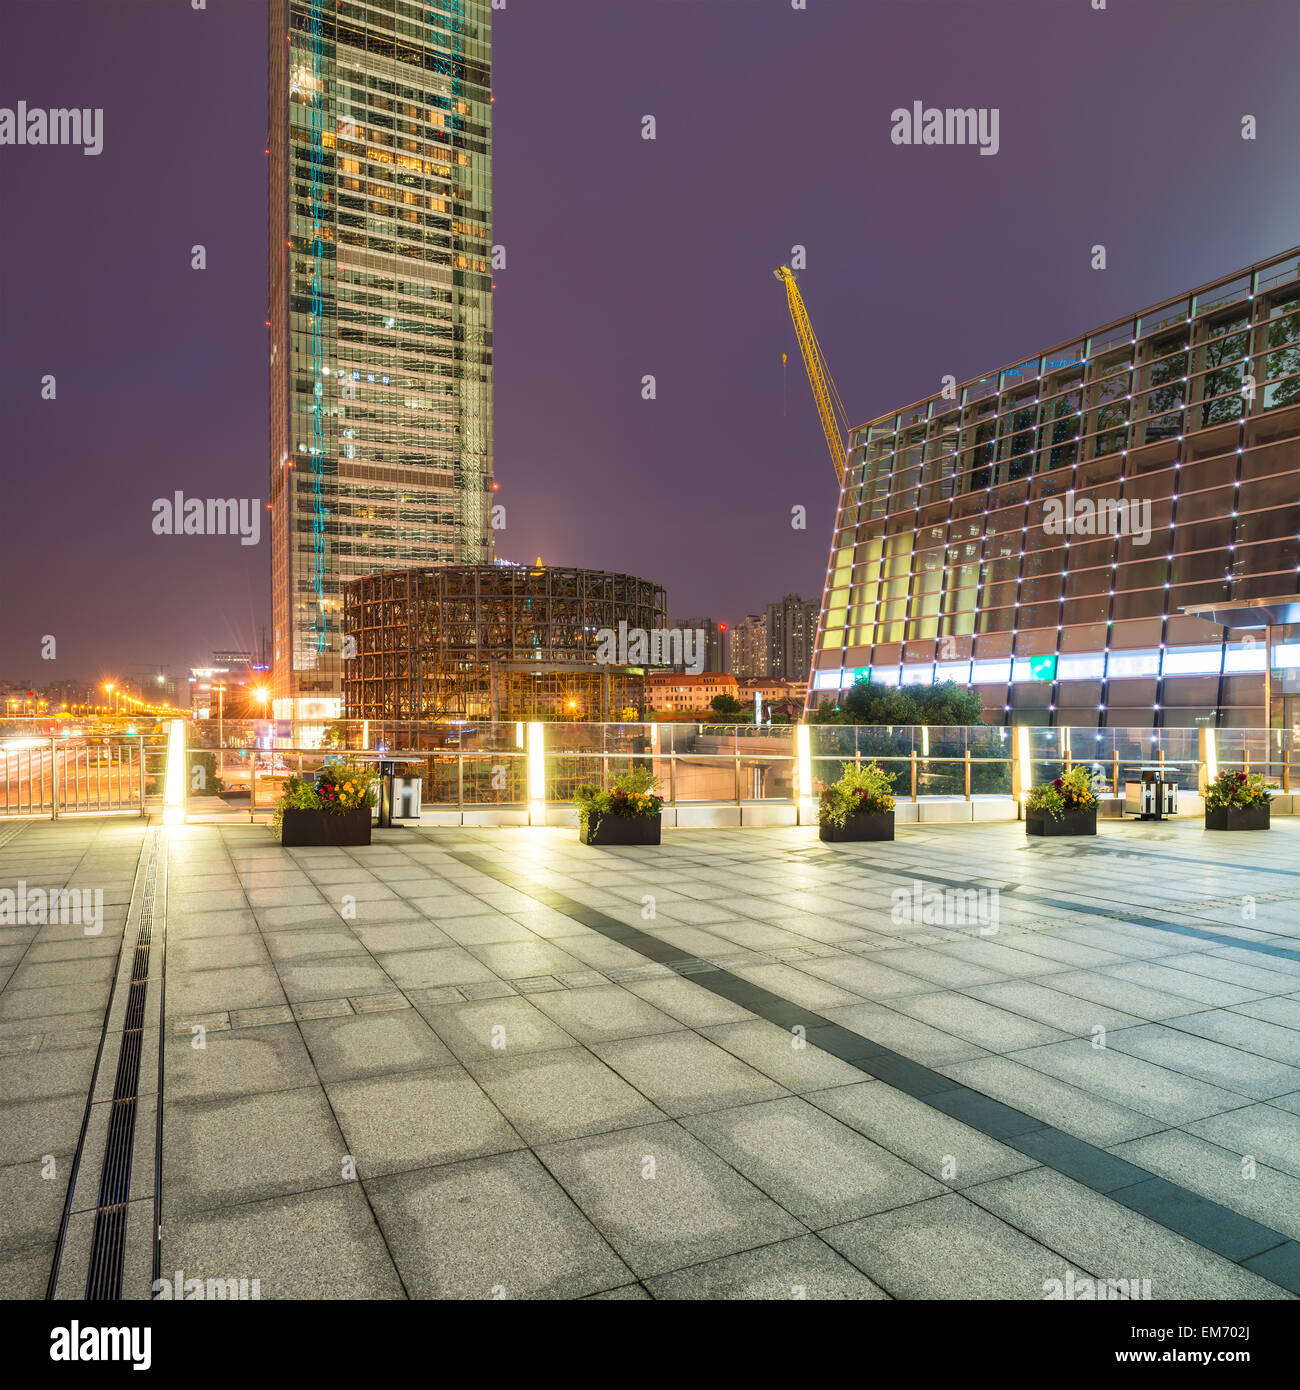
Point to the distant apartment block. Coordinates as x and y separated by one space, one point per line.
777 644
715 639
791 635
749 648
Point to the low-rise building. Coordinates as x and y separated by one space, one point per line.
677 693
772 689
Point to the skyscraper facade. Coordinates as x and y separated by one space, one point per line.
380 311
1104 534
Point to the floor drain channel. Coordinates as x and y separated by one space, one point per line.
108 1241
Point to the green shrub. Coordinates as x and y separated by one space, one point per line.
863 788
296 795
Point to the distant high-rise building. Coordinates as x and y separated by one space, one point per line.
749 648
791 634
380 311
776 644
715 640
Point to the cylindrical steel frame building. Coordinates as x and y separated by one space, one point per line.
499 642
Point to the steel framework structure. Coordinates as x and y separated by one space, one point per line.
492 641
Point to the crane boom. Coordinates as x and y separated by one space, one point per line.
830 408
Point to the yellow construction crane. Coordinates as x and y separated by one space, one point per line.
830 408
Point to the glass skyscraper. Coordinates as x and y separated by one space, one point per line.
380 284
1043 532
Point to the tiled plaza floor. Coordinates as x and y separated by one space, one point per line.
496 1063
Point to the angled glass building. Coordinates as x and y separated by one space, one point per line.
380 318
1103 534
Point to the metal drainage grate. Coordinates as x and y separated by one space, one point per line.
108 1241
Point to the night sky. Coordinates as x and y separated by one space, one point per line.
625 258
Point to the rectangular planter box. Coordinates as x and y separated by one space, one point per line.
1080 822
1238 818
621 830
864 825
303 828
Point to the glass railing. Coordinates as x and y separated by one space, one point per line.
108 768
241 765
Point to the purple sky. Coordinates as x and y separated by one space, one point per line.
625 258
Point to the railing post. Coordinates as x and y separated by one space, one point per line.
739 788
1114 772
54 780
140 740
913 774
252 786
966 760
1245 756
460 784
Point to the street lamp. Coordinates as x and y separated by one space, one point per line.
220 688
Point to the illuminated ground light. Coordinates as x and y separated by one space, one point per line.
1022 758
803 753
536 774
174 794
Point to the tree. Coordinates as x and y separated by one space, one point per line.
869 702
726 704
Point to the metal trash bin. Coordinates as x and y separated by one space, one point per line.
399 797
406 797
1152 797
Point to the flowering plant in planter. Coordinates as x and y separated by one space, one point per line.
863 789
338 788
345 787
1074 791
1235 791
631 794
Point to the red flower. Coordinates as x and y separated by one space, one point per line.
1057 783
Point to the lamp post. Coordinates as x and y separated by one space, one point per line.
220 688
